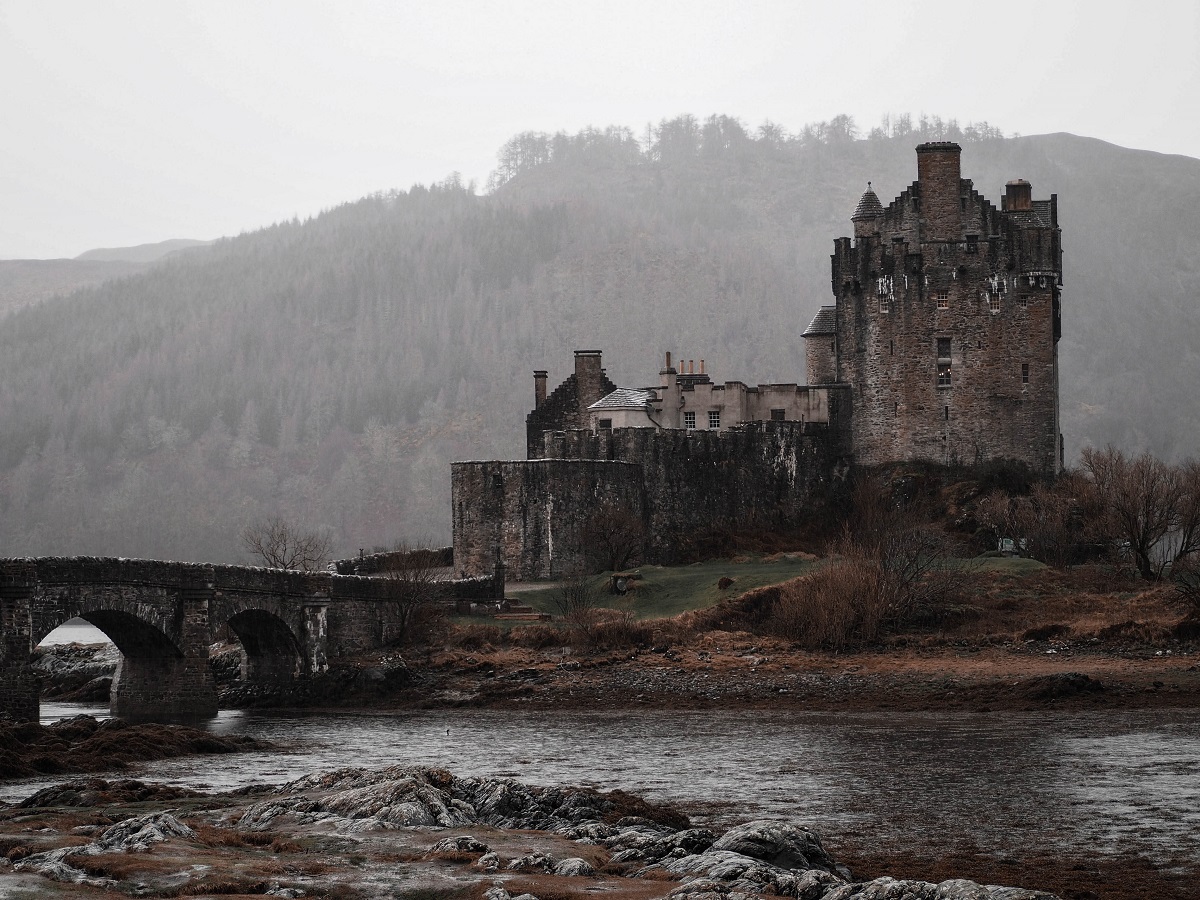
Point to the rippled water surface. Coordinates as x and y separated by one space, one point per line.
1098 782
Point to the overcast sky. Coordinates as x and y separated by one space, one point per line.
126 123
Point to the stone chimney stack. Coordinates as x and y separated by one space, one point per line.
589 377
539 387
1018 196
939 172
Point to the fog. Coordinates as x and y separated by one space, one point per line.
135 122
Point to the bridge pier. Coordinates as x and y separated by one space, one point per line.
160 684
20 686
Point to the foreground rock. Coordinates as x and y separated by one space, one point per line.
84 744
340 833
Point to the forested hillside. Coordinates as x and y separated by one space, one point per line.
329 370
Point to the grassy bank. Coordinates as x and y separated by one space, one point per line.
661 592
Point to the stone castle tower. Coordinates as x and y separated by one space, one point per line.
946 322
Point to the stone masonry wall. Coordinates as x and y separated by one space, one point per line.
680 483
948 313
756 475
531 511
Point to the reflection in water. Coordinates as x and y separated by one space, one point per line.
1124 781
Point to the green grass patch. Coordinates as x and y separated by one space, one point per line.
665 591
1006 565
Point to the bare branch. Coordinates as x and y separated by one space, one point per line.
281 545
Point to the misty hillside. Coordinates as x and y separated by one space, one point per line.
330 370
27 281
142 253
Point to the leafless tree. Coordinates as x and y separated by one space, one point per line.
576 601
282 545
1141 499
613 536
410 575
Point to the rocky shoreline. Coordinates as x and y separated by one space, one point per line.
357 833
722 670
83 744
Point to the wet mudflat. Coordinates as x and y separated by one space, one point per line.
1104 783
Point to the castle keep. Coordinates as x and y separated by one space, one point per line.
946 322
941 345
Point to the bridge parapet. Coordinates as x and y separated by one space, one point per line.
163 616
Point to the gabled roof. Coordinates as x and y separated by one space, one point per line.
824 322
624 398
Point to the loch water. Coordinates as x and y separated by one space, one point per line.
1093 783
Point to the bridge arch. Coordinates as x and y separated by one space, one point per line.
271 650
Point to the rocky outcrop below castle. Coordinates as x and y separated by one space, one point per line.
342 833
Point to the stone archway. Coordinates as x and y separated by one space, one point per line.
155 680
272 652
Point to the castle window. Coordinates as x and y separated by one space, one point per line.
714 419
1024 373
1023 302
962 204
972 243
891 348
993 303
946 413
689 420
943 299
777 415
498 482
605 424
944 378
884 306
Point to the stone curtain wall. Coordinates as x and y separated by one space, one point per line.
758 475
680 483
531 511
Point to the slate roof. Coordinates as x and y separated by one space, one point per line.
868 207
624 398
824 322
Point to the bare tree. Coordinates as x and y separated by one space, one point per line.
1141 502
576 600
410 575
613 536
282 545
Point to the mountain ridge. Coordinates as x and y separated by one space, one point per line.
329 370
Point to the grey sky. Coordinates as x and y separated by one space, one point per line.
124 123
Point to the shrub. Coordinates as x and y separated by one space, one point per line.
833 608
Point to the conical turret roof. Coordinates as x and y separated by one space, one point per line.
868 207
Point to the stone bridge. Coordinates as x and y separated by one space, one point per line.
163 616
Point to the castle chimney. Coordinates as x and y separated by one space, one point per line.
701 367
1018 196
668 359
939 173
691 367
539 387
589 377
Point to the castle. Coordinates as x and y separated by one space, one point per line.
941 345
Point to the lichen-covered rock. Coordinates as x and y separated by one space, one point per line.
489 862
533 862
574 866
138 833
462 844
782 844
